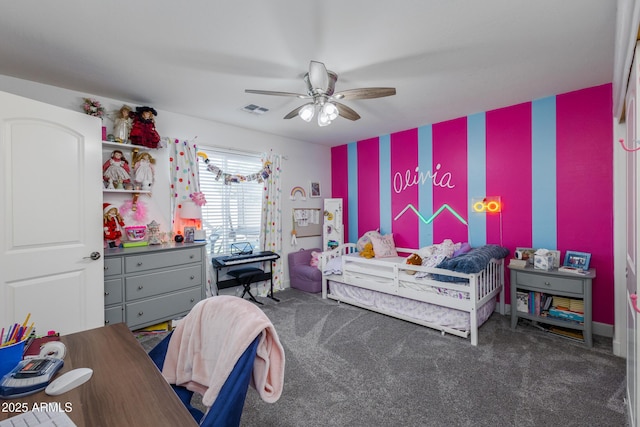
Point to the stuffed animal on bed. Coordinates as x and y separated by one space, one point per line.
367 251
413 259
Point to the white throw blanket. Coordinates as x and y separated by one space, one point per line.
206 345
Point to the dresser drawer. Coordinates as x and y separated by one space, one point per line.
162 259
148 285
162 308
547 283
112 291
113 315
112 266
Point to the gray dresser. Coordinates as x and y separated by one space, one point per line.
147 285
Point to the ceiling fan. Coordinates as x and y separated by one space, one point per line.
324 101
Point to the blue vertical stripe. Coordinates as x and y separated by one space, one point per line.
543 168
425 192
477 175
385 183
352 162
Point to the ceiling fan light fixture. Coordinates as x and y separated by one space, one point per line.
307 112
330 110
323 119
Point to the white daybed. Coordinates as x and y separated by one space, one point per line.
385 285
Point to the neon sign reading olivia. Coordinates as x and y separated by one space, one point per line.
401 183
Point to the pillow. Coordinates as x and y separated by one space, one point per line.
464 248
384 246
366 238
315 259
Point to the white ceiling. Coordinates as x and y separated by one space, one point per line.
446 58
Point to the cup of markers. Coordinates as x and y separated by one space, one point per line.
12 341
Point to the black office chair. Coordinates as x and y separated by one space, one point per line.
244 277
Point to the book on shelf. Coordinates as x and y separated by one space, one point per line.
522 299
566 315
567 333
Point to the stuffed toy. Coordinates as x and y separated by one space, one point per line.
367 252
413 259
143 129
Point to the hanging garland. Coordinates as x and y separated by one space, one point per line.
228 178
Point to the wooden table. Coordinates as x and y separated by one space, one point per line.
126 388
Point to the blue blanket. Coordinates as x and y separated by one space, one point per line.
473 261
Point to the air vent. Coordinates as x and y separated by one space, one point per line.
254 109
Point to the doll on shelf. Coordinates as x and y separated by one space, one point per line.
116 171
143 130
112 224
143 171
122 124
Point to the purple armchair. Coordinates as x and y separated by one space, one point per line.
301 274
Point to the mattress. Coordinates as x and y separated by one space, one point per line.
422 311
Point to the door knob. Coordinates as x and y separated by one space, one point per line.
94 256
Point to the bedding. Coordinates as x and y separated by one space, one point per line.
458 304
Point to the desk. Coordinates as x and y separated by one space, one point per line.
126 388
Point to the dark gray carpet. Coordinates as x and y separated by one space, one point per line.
350 367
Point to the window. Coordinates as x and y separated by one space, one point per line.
233 212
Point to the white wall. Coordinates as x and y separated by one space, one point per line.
305 161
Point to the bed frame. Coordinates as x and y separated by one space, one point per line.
392 276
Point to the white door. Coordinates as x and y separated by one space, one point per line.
50 217
632 245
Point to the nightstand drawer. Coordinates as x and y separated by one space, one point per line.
113 315
161 260
547 283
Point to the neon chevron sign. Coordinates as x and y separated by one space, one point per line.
432 217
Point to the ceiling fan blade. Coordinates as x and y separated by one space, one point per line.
270 92
347 112
318 76
365 93
294 113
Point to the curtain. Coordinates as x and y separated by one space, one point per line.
184 177
271 233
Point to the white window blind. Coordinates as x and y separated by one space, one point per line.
233 212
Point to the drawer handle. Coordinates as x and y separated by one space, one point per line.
106 268
191 256
140 313
193 299
193 277
106 322
547 283
106 293
139 264
140 287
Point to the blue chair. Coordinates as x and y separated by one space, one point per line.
227 408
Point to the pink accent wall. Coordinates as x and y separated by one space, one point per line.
368 185
585 186
509 174
583 174
404 155
340 182
450 151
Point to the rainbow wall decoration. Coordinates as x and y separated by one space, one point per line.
547 160
298 190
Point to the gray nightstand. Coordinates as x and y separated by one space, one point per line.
558 283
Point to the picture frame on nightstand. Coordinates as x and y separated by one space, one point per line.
577 260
